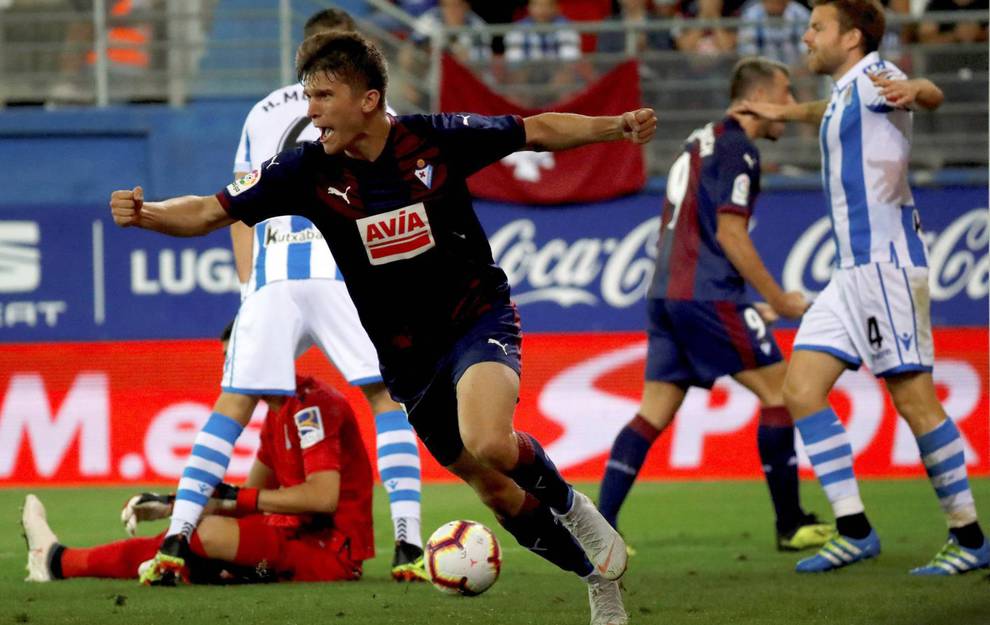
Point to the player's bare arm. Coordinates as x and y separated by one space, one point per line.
319 494
910 92
805 112
733 235
186 216
562 131
242 242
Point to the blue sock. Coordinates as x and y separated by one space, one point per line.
944 458
399 468
538 530
537 475
628 454
827 444
775 440
205 468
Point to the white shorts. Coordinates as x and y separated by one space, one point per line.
877 315
279 322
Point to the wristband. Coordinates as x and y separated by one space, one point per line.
247 500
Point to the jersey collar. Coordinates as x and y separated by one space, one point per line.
855 70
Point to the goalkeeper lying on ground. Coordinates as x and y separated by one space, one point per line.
304 513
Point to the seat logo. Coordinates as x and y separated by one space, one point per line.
20 258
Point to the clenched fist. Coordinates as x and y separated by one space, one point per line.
125 206
639 126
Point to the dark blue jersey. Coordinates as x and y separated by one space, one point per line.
719 171
402 229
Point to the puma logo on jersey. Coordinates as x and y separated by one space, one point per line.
341 194
396 235
750 161
504 351
464 119
273 163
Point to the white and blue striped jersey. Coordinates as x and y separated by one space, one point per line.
287 247
866 145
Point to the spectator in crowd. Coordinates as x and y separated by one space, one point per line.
563 43
632 12
467 47
773 29
959 32
414 8
704 41
527 52
128 51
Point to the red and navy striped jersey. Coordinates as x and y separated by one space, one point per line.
718 171
402 229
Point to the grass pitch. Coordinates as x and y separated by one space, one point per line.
705 556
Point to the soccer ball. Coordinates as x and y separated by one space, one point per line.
463 557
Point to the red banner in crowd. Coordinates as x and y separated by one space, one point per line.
128 411
587 174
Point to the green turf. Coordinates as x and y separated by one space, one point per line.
705 557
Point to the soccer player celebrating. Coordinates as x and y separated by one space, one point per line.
304 513
285 259
390 196
875 309
701 324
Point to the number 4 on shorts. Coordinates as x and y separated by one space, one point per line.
873 333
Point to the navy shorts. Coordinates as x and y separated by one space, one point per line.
495 337
692 343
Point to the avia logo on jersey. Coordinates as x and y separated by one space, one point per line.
396 235
244 183
274 236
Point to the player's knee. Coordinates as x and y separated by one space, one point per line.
800 395
209 532
491 451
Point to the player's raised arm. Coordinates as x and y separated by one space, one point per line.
186 216
806 112
909 92
562 131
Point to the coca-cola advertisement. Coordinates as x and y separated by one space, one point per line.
587 266
113 412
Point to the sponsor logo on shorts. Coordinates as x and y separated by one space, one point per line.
396 235
244 183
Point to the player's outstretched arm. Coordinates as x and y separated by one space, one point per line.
319 494
562 131
186 216
732 234
805 112
909 92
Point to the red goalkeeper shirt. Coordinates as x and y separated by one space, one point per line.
315 430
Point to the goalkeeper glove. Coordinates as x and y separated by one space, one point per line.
145 507
233 500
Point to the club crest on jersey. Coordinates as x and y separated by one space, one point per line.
309 422
425 174
396 235
244 183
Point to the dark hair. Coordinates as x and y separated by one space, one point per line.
348 57
228 330
751 72
329 19
866 16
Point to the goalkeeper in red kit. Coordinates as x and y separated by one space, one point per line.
304 513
